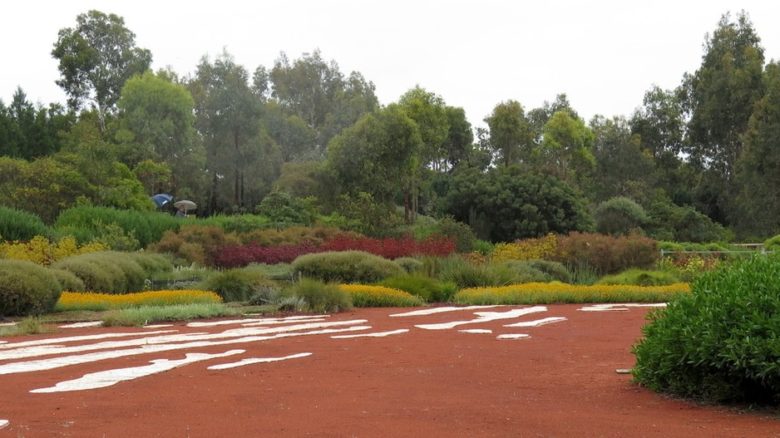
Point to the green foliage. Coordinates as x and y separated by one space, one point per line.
20 225
239 284
68 280
720 342
364 215
237 223
551 293
281 209
511 136
28 326
773 243
606 254
30 131
619 216
557 271
524 272
641 277
508 204
140 316
460 233
113 272
456 269
410 264
427 288
26 288
346 267
321 297
194 243
89 223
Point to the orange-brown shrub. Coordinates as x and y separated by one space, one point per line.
606 254
195 243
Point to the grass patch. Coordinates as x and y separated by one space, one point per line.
551 293
27 326
380 296
70 301
180 312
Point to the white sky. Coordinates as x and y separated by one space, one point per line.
603 54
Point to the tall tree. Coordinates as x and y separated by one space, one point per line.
659 122
719 97
460 138
28 131
511 137
566 150
96 58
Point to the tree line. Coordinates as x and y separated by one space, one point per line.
698 162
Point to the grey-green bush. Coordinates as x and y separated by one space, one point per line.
345 267
410 264
111 271
321 297
427 288
68 280
557 271
241 284
719 343
620 215
26 288
641 277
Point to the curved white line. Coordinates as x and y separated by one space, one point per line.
484 317
372 335
254 360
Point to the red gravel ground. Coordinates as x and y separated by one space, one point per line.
425 383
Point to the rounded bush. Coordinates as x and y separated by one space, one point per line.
620 215
107 271
20 225
346 267
555 270
410 264
94 277
524 272
321 297
68 280
641 277
26 288
238 284
719 343
429 289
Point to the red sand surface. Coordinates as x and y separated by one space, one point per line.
559 382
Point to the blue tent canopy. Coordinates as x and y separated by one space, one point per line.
161 199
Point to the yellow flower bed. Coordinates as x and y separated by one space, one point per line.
538 293
379 296
527 249
99 301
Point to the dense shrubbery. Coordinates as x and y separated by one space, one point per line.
20 225
720 343
606 254
410 264
239 223
380 296
641 277
240 284
321 297
527 249
464 273
195 243
346 267
44 252
620 216
427 288
113 272
88 223
392 248
315 236
26 288
241 255
68 280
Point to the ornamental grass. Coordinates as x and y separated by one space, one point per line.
380 296
551 293
99 301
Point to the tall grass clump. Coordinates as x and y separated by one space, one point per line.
429 289
89 223
321 297
180 312
720 343
20 225
240 284
26 288
345 267
641 277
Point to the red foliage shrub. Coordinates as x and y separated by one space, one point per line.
606 254
241 255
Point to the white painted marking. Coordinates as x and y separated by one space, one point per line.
484 317
3 423
513 336
434 310
7 324
103 379
154 326
83 324
617 307
372 335
79 339
476 331
45 350
537 322
256 321
76 359
255 324
253 360
3 342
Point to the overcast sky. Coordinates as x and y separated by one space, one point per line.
603 54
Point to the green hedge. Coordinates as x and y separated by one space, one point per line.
26 288
346 267
242 284
719 343
89 223
20 225
114 272
429 289
321 297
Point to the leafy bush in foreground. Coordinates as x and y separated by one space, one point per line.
346 267
719 343
26 288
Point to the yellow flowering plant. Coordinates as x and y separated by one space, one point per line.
379 296
100 301
555 292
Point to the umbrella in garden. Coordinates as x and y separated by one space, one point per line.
161 199
185 205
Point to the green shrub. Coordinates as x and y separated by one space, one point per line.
281 209
524 272
321 297
20 225
345 267
773 243
26 288
238 223
194 243
410 264
463 273
152 264
380 296
139 316
89 223
240 284
606 254
557 271
641 277
619 216
427 288
110 271
460 233
720 343
68 280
